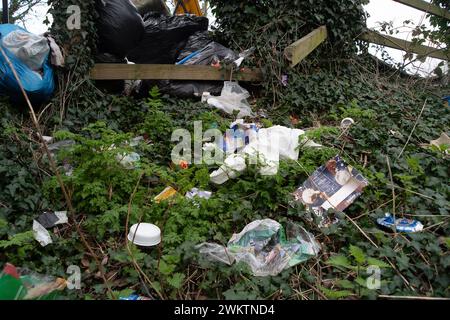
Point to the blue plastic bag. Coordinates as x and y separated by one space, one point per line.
38 87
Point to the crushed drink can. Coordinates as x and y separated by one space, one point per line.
401 224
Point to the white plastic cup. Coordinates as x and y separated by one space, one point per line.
145 235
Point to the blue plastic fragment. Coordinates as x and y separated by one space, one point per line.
235 135
133 297
193 54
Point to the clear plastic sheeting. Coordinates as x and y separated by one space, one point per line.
24 284
30 49
243 55
233 97
129 161
266 247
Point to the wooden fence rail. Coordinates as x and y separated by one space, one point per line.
108 71
426 7
300 49
408 46
294 53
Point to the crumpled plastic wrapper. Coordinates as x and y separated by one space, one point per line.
30 49
265 247
195 192
233 97
41 234
24 284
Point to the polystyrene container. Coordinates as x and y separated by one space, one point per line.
145 235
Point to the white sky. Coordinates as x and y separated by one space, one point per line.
390 11
379 10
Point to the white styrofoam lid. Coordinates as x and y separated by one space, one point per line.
347 122
145 235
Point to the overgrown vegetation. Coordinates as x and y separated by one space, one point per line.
106 194
20 10
441 32
242 26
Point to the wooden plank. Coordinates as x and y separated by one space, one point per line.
191 6
426 7
5 11
107 71
300 49
392 42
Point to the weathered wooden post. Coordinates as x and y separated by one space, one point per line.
5 11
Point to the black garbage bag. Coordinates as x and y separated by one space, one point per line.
145 6
109 58
120 27
199 51
165 37
182 89
112 86
196 42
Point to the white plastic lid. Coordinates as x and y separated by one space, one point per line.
347 122
145 235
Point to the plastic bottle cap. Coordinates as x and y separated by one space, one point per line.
145 235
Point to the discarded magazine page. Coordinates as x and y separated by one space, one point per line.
334 185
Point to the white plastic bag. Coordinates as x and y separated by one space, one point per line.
231 168
233 97
29 48
265 149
